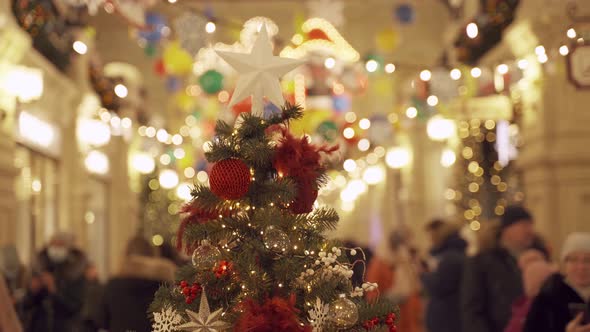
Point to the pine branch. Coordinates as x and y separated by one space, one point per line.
322 219
252 127
258 153
222 149
205 199
223 129
214 230
280 192
288 113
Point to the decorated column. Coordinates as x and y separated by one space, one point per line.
13 44
555 158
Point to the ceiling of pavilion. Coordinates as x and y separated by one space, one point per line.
421 42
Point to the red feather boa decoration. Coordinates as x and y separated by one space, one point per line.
301 160
275 314
193 215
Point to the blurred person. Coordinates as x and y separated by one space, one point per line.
535 271
94 292
11 268
530 256
562 303
170 252
394 269
13 272
442 279
127 296
492 280
361 259
56 291
9 321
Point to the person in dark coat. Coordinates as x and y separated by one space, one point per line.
127 296
56 293
553 310
94 290
443 282
492 280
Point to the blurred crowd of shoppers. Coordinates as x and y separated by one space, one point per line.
62 292
510 285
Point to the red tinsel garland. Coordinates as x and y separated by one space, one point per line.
275 314
194 215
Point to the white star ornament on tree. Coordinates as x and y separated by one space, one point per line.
260 72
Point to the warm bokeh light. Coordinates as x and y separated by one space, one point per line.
348 133
371 66
448 158
329 63
397 157
472 30
143 163
189 172
374 175
364 144
349 165
440 129
168 179
425 75
411 112
97 162
121 91
80 47
389 68
183 191
364 124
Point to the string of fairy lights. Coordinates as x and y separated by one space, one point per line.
367 169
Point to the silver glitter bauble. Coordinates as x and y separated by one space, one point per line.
205 256
276 240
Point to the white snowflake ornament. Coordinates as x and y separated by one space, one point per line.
318 315
167 320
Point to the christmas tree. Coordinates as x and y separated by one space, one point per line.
485 182
260 261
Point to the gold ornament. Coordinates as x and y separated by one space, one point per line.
204 320
344 313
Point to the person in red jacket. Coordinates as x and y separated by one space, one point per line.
535 271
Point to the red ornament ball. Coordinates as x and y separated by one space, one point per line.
230 179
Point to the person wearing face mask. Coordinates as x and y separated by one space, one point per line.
56 292
562 305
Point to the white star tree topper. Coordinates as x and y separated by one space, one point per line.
204 320
260 72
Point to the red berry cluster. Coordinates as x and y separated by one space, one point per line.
371 323
190 292
222 269
389 321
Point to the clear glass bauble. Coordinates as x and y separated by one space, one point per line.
276 240
205 256
343 313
